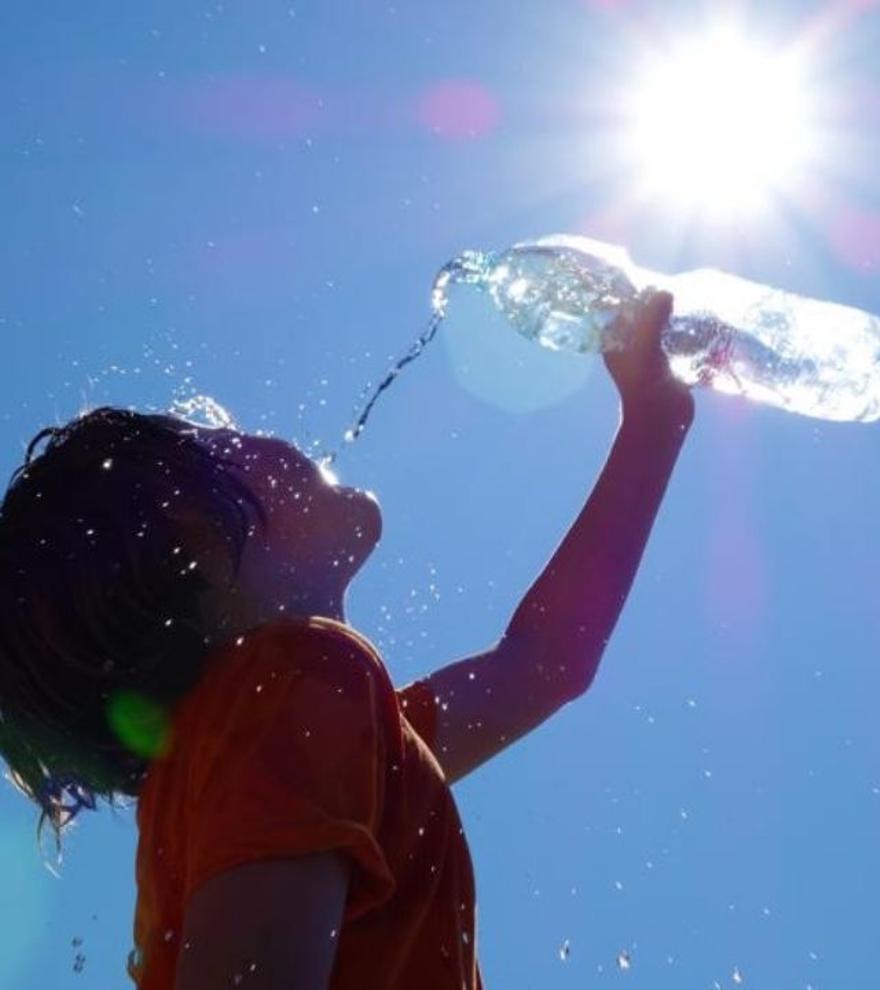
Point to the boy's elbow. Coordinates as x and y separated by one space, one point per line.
565 667
581 686
584 668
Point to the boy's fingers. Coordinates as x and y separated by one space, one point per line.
652 317
658 308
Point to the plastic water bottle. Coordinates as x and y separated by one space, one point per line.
816 358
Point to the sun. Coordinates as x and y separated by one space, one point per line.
720 125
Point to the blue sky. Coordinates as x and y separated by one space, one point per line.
250 200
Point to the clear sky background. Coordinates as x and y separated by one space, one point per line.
250 200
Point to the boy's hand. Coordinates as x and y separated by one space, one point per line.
641 371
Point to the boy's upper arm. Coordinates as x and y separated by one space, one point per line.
489 700
280 916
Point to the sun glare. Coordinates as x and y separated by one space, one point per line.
720 125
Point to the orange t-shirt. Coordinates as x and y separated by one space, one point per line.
294 742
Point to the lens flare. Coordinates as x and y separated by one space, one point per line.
140 724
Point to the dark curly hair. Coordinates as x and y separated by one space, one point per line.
101 631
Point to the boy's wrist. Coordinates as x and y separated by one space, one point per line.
671 406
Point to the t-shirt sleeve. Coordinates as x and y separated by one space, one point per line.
419 707
294 766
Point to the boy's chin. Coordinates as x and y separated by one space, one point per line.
361 553
367 525
376 513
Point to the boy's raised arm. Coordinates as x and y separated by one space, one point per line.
552 646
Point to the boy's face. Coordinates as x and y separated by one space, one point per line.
316 528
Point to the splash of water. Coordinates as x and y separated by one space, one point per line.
202 410
469 268
418 346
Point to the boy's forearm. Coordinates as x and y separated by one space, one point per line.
552 646
569 613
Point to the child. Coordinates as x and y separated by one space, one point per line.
172 629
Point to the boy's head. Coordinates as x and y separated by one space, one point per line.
317 533
129 547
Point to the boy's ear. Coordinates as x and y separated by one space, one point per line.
201 541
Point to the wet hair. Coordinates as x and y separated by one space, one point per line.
101 629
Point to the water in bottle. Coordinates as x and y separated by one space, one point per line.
819 359
816 358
